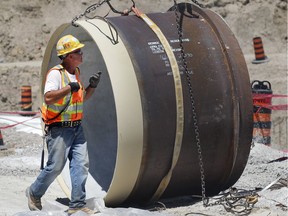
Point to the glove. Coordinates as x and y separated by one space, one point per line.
94 80
74 86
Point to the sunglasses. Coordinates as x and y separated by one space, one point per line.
79 52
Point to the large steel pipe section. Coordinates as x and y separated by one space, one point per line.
130 122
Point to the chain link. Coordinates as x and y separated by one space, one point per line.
194 113
87 11
235 201
238 202
95 6
197 3
113 32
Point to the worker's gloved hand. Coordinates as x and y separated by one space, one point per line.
74 86
94 80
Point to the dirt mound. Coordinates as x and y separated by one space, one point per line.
28 24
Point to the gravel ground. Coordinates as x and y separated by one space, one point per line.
20 163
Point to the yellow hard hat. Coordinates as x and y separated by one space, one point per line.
68 44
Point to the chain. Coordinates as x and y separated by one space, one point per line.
194 114
87 11
197 3
113 38
238 202
95 6
121 12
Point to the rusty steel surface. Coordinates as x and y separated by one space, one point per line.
118 129
223 103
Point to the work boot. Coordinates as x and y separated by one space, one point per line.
83 209
34 204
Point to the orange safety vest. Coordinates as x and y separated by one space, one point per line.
73 102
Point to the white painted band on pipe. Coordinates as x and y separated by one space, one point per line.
128 109
129 122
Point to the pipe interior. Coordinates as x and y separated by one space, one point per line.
98 110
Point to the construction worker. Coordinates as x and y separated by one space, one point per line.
62 113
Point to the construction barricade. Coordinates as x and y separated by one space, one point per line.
261 115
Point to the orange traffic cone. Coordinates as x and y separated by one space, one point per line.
1 142
26 101
260 56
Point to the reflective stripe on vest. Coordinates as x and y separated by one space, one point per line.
74 111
